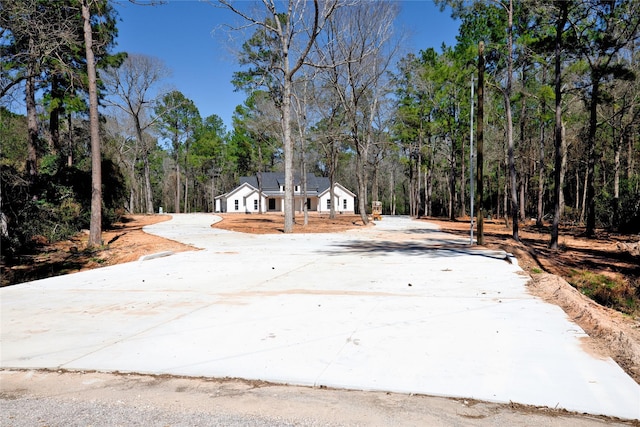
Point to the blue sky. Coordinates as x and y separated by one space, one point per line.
181 33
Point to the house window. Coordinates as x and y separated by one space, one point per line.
328 203
255 205
344 204
236 203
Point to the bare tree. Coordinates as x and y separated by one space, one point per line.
131 89
293 26
360 54
121 146
301 99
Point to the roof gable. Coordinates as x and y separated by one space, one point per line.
337 184
244 185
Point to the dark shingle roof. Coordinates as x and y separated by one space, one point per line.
271 182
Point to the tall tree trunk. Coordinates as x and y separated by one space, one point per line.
54 115
333 165
509 114
176 206
413 183
583 211
419 180
498 191
563 168
429 187
561 20
176 149
186 193
480 149
592 154
259 178
32 124
630 155
361 155
452 182
95 227
577 202
512 170
374 182
524 176
186 179
523 192
148 193
616 181
303 177
463 210
69 141
541 173
289 208
392 194
505 190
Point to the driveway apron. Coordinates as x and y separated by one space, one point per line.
398 307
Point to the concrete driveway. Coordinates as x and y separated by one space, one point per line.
397 307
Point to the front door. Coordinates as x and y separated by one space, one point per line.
272 204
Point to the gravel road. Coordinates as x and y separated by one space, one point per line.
47 398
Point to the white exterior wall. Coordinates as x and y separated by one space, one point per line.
339 202
253 201
245 198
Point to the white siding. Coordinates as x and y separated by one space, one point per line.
243 200
246 199
339 201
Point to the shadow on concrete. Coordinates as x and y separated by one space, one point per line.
436 248
419 231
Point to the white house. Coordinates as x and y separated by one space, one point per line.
264 192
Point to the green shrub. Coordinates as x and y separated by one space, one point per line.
614 292
53 206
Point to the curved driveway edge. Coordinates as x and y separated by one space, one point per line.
397 307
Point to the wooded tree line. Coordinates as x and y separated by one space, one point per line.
330 91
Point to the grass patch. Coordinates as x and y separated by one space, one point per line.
612 291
